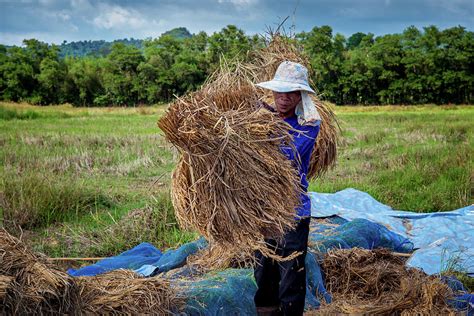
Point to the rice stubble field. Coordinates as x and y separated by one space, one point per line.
94 182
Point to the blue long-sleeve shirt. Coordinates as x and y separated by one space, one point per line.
304 139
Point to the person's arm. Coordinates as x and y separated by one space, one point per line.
303 141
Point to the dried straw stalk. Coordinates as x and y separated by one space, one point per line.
6 282
125 292
38 288
216 257
377 282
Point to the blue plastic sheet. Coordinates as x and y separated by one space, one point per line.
145 259
440 238
134 258
347 219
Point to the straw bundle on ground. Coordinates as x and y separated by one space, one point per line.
28 286
125 292
35 287
377 282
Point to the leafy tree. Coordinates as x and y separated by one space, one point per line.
326 56
85 80
229 43
355 39
416 66
120 78
51 81
17 75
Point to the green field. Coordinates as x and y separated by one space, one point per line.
94 182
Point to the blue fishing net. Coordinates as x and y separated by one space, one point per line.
357 233
227 292
231 291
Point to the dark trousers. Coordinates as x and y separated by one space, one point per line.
284 283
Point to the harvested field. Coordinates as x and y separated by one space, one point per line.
427 173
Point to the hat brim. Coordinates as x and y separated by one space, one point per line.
284 86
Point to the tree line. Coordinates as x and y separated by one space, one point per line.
414 67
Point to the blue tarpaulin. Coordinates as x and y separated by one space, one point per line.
346 219
440 238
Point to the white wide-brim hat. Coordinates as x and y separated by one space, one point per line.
290 76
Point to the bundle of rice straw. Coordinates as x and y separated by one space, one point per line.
263 64
125 292
31 286
377 282
232 183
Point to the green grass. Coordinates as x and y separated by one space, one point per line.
78 174
39 200
417 159
94 182
8 113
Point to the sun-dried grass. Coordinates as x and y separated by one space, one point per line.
377 282
29 286
35 287
125 292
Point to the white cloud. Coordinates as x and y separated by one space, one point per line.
81 4
239 3
117 17
17 39
61 15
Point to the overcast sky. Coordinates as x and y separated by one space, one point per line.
53 21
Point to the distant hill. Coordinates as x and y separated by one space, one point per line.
102 48
93 48
179 32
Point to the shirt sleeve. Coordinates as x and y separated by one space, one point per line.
303 141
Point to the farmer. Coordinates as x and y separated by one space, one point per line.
281 286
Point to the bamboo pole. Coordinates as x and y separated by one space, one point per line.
398 254
76 259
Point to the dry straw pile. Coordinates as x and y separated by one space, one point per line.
377 282
125 292
29 286
232 183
